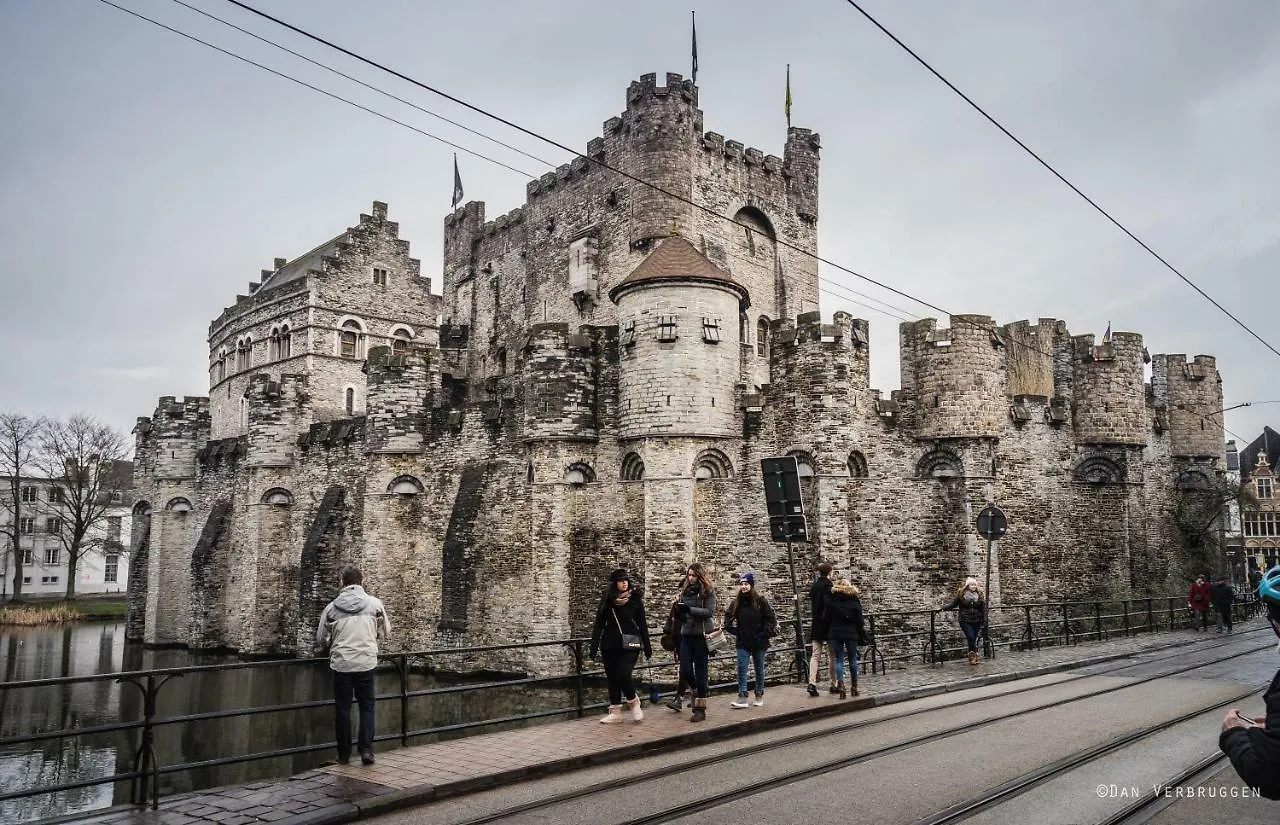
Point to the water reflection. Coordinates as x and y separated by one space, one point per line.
86 649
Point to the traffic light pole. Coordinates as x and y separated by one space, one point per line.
802 669
989 650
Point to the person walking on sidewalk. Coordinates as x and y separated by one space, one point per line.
818 592
843 612
348 629
751 620
1253 744
1222 597
620 634
695 611
972 604
1198 602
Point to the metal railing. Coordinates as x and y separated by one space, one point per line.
894 637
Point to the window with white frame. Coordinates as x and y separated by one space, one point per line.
53 554
1264 487
53 525
244 350
379 276
28 557
30 494
400 341
111 569
286 342
55 495
273 344
26 525
220 366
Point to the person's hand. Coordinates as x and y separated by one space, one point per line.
1234 719
648 654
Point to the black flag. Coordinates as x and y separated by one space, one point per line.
457 184
694 15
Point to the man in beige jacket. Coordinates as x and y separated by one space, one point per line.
349 629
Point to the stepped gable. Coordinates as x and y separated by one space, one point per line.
676 259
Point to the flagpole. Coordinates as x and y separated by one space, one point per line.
787 106
693 15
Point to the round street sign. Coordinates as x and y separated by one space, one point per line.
991 523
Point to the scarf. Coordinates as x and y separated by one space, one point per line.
622 598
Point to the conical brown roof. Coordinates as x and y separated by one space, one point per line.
677 260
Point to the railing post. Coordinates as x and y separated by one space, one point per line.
1171 619
1026 629
1066 624
579 686
1125 605
1097 621
1150 617
402 666
933 637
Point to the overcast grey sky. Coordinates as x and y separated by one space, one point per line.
146 179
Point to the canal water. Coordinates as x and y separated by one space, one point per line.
99 648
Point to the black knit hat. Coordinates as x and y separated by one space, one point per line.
619 575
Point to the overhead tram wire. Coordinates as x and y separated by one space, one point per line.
325 92
602 164
844 297
1057 175
368 86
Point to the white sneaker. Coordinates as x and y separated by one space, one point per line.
741 703
759 702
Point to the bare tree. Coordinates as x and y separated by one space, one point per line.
19 441
84 458
1200 514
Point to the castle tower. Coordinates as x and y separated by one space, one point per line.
679 340
956 376
1190 392
1109 396
401 386
559 385
661 123
278 411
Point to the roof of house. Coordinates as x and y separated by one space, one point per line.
1269 443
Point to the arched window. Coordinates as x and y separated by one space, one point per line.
220 366
1098 470
404 486
712 464
349 400
757 228
940 464
805 466
350 339
400 338
244 350
178 505
1194 480
277 497
244 412
286 342
857 465
142 509
579 473
273 345
502 361
762 337
632 467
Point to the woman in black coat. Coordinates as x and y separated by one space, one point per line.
843 612
818 592
751 620
620 634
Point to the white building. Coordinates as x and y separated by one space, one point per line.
102 568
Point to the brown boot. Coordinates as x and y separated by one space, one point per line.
854 686
699 711
973 657
840 686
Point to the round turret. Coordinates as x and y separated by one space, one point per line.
679 339
957 376
661 123
1109 396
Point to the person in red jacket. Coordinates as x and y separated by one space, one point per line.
1198 601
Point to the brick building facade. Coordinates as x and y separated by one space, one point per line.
595 387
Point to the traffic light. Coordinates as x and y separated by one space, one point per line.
782 497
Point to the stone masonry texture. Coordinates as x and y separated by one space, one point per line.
488 454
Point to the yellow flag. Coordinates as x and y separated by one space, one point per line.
788 104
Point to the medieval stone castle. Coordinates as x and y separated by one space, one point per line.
595 388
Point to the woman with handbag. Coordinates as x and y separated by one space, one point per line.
695 609
620 634
750 619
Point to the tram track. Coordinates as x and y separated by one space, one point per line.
717 800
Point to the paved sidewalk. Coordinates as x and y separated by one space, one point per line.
414 775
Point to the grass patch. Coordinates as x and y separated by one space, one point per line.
58 612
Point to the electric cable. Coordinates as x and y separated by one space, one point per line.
1056 174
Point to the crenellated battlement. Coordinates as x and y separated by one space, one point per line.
1109 393
808 352
646 91
402 386
1187 397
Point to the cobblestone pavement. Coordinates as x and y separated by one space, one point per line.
338 793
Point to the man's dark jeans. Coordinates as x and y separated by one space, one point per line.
344 686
